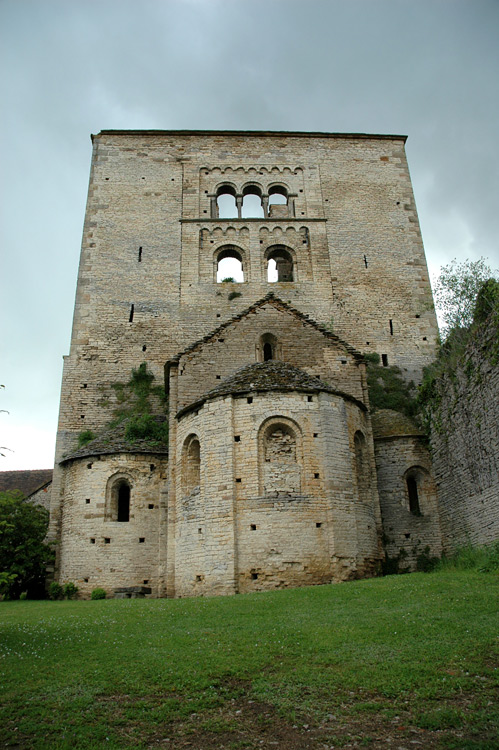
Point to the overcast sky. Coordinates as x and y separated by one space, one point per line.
425 68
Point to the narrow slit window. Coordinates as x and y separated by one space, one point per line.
391 327
384 360
412 489
130 318
140 255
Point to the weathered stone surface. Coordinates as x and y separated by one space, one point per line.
269 478
466 447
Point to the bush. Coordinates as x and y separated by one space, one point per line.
85 437
55 591
425 563
70 590
23 596
98 594
24 555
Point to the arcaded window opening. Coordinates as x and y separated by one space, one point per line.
280 264
252 205
229 266
225 205
362 468
118 499
280 452
191 466
278 196
268 348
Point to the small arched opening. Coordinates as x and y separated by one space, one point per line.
191 465
225 205
229 265
268 347
118 499
252 206
413 494
278 201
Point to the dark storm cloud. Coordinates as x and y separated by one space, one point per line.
426 69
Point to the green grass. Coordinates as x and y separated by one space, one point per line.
369 662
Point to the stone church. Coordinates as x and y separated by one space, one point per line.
251 272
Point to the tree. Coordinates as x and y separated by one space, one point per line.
24 555
456 290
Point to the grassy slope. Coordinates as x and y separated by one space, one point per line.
365 664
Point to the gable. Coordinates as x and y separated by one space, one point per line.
299 342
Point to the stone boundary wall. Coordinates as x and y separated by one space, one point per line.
466 452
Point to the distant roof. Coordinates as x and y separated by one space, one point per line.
256 133
27 480
113 441
268 377
391 424
271 297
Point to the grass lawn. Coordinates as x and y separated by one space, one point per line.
398 662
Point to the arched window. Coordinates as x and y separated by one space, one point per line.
279 203
226 207
279 451
118 497
252 207
412 491
280 266
268 352
268 347
362 468
191 465
229 264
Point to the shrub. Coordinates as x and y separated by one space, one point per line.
98 594
55 591
85 437
425 563
228 280
233 295
23 596
70 590
387 387
24 555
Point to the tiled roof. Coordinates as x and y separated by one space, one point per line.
27 481
266 377
113 441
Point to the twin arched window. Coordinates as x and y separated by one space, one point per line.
230 264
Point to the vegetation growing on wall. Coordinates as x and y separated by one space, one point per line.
453 360
136 402
388 389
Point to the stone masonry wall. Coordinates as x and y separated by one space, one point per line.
405 532
98 552
247 529
466 450
147 287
